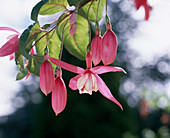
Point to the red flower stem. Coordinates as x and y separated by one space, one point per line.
84 4
106 7
50 37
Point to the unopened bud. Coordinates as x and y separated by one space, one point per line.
73 18
73 29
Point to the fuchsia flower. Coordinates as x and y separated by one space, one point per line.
59 94
144 3
96 46
12 45
46 76
88 80
109 46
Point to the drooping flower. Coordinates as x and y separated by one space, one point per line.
12 45
147 7
109 46
96 46
46 76
59 94
88 80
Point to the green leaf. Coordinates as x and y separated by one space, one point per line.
34 64
76 2
20 63
36 9
93 10
76 44
20 76
27 38
54 45
53 6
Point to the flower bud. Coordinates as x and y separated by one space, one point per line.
73 18
96 48
109 47
59 94
73 29
46 76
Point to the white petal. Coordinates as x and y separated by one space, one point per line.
81 81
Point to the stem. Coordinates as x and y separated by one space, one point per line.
89 21
50 37
97 11
50 30
106 7
62 43
84 4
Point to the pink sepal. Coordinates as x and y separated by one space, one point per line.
104 90
11 46
105 69
73 82
11 57
29 73
9 29
66 66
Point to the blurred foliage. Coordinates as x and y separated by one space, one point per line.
143 116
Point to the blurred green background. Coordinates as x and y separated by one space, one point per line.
146 111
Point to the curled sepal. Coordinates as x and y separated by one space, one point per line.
59 96
96 49
104 90
109 47
46 77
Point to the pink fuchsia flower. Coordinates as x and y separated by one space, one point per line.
73 29
12 45
109 46
96 46
59 94
147 7
88 80
46 76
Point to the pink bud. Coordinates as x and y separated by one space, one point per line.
46 77
59 94
73 18
96 49
11 46
73 29
109 47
